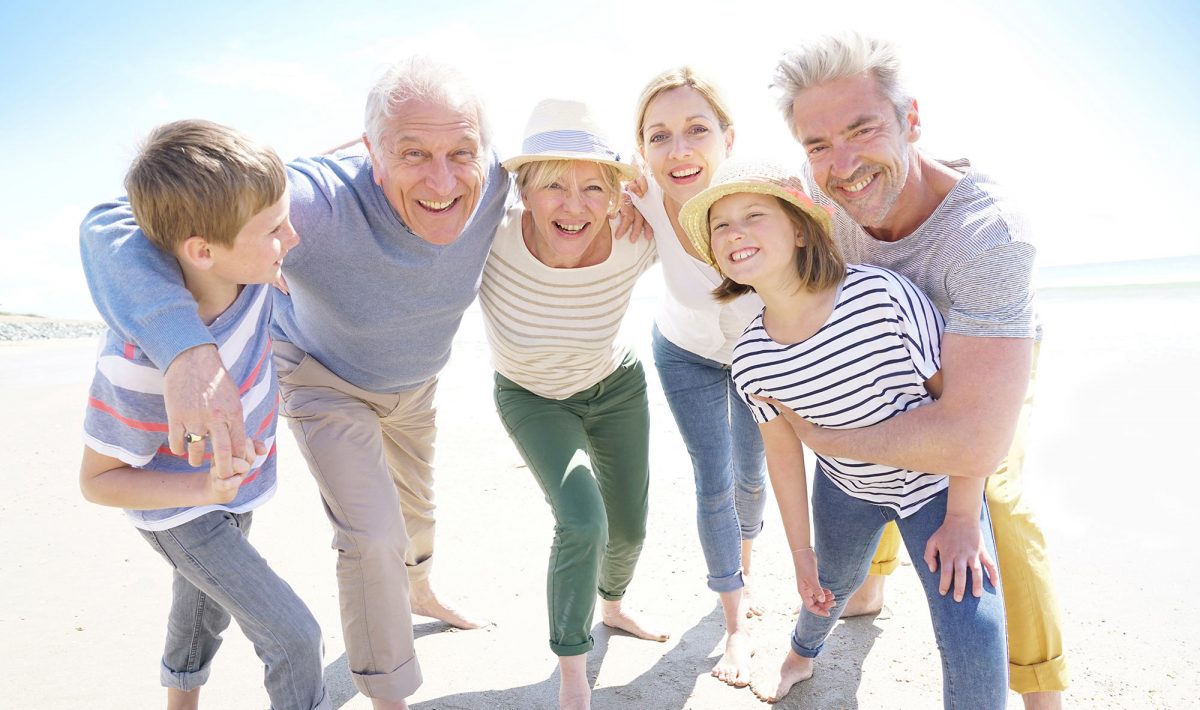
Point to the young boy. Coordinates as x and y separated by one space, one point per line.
217 202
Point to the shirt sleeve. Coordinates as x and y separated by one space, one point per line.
920 324
745 382
992 293
137 288
125 424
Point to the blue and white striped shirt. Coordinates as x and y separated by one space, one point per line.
867 363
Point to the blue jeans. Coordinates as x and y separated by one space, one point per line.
219 575
728 462
970 634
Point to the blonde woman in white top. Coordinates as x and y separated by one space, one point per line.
684 132
572 397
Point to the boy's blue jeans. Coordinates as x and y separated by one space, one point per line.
219 575
970 634
728 462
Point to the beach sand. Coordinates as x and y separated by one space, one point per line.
1111 461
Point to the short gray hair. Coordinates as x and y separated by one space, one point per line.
832 57
424 79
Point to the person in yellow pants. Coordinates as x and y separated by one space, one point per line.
951 230
1036 660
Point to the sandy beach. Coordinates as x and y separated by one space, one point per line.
1112 456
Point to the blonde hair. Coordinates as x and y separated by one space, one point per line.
819 264
199 178
675 79
832 57
537 174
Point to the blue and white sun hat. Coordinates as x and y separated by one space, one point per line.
560 129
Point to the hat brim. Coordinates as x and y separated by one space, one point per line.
693 217
627 171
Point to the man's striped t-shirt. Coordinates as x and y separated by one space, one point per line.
126 417
867 363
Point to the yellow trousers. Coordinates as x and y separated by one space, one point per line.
1035 646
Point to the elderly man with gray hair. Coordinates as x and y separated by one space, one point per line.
394 241
948 228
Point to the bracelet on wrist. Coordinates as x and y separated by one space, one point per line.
801 549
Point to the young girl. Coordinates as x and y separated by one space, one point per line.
847 346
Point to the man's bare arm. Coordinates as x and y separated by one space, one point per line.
967 432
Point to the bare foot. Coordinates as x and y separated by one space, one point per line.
1043 700
750 606
614 616
734 666
381 704
868 599
426 603
574 691
772 687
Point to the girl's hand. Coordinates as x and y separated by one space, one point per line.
959 546
815 598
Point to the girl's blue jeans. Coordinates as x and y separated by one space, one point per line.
970 634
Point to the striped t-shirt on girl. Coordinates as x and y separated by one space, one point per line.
867 363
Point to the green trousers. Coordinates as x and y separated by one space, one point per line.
590 455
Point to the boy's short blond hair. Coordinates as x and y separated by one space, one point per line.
199 178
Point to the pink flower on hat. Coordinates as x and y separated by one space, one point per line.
803 198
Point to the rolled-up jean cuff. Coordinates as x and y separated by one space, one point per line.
884 568
396 685
182 680
1040 677
802 651
730 583
573 649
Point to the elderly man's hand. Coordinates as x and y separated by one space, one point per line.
203 401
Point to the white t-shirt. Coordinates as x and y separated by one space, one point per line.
689 316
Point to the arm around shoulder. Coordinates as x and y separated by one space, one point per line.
137 288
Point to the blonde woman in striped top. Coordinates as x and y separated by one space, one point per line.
572 397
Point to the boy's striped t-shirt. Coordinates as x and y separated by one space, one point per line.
867 363
126 416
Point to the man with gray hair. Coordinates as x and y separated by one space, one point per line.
949 229
394 241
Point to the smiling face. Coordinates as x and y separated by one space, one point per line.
859 149
430 166
567 214
256 255
754 241
683 142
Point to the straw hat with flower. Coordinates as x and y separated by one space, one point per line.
757 176
566 130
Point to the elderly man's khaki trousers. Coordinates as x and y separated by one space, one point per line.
371 455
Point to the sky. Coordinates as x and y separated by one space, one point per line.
1086 111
